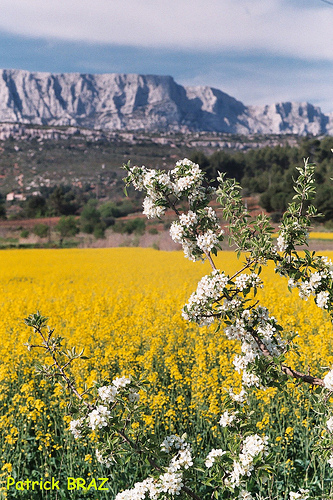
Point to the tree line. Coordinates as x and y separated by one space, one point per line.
269 172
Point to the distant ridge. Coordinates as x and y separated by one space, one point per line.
145 102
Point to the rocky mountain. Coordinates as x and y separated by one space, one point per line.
145 102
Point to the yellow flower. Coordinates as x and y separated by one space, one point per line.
7 467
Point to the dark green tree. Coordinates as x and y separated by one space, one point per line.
67 226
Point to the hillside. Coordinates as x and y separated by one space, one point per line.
145 102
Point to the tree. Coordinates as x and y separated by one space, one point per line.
90 220
35 206
67 226
324 201
61 202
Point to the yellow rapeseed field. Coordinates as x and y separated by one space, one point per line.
124 307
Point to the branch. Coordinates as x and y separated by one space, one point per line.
309 379
209 257
306 378
61 373
249 264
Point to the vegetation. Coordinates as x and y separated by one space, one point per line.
251 432
41 230
269 172
67 226
185 392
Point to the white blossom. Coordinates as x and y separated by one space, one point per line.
151 210
188 219
253 445
207 241
138 492
227 419
300 495
183 459
245 495
240 397
98 418
76 427
329 424
107 393
121 382
237 473
209 289
328 380
322 299
171 482
210 459
281 243
250 379
176 232
173 441
103 460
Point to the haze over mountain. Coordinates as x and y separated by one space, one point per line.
150 102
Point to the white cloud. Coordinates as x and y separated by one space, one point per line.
273 26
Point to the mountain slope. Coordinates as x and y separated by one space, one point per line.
150 102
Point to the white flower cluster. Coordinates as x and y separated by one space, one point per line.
155 183
244 281
281 243
207 241
98 418
183 457
241 397
197 232
252 446
250 379
199 307
245 495
186 231
121 382
330 461
133 396
227 418
329 424
108 393
173 441
299 495
184 178
322 299
102 459
293 232
210 459
265 327
316 283
151 210
328 380
183 460
187 177
139 491
76 427
170 481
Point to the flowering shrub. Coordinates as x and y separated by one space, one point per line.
231 303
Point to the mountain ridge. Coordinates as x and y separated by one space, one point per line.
119 101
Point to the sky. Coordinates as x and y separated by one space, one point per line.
258 51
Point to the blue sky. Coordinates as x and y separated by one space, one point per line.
259 51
